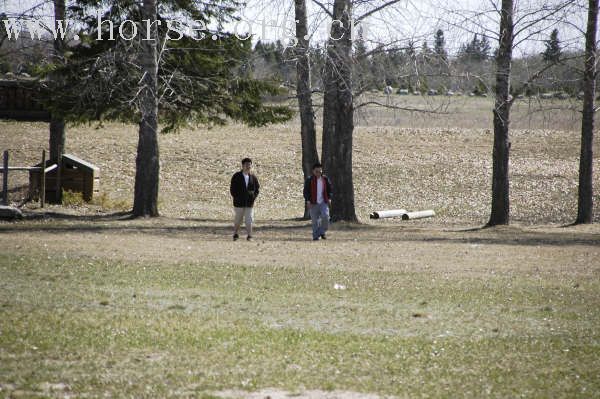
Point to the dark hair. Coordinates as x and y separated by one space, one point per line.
246 160
317 165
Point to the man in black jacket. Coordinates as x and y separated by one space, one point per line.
244 190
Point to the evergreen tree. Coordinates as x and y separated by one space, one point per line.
426 56
3 33
410 51
553 51
360 49
476 50
425 50
484 48
199 81
440 46
441 58
138 75
362 64
278 52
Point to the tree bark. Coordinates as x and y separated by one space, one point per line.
145 202
304 93
338 113
57 138
57 125
500 180
585 193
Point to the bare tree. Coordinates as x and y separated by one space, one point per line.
304 93
338 112
533 18
500 184
585 192
338 102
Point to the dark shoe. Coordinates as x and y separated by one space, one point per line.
249 238
316 239
323 236
236 236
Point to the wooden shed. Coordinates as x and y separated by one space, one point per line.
75 175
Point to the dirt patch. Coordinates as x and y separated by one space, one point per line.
288 243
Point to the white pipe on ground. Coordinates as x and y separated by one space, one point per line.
388 214
418 215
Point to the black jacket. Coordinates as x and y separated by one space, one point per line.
243 197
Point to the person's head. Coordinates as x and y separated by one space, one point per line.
317 169
246 164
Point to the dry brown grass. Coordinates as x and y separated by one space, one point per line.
465 112
445 169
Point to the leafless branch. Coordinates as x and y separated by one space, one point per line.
323 7
410 109
377 9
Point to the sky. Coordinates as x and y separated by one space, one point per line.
418 21
414 20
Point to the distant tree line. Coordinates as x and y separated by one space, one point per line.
409 67
425 67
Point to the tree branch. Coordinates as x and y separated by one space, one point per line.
376 9
323 7
425 111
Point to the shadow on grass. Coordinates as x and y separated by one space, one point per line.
215 229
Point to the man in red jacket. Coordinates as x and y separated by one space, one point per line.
244 190
317 193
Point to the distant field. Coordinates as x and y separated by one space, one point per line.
95 305
422 161
468 112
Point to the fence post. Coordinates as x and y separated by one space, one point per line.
43 180
5 179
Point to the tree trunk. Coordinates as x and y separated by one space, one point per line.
57 138
303 91
500 182
145 202
57 125
338 113
585 194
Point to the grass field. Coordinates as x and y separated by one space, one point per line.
93 304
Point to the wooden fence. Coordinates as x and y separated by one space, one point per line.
38 169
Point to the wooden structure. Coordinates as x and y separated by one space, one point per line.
72 174
41 172
18 101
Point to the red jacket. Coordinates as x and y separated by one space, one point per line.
310 189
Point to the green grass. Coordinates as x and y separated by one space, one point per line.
164 330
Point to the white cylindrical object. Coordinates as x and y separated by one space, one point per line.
50 168
418 215
388 214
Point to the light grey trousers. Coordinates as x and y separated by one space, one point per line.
319 214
